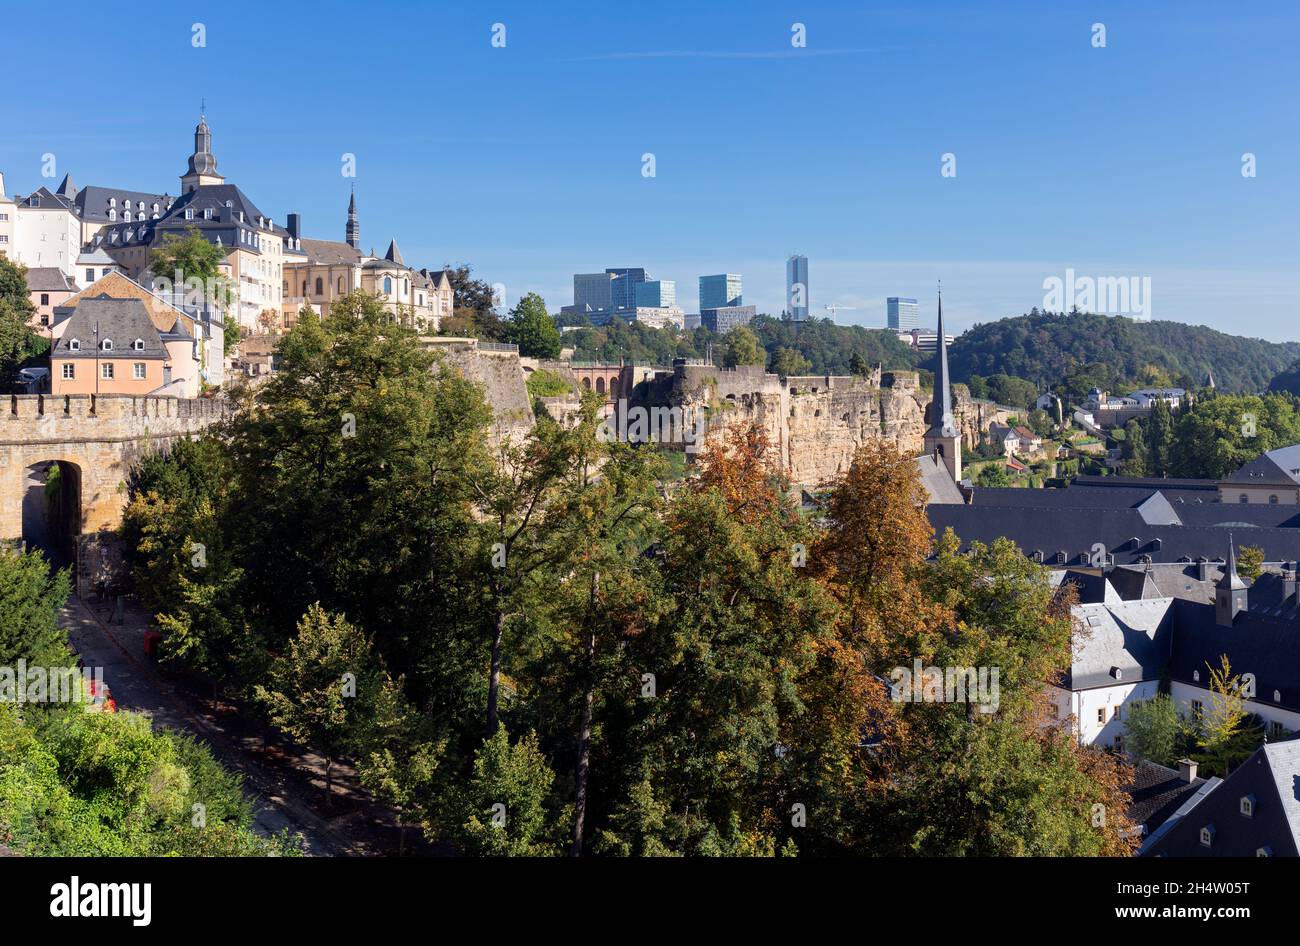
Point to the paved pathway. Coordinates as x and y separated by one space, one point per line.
285 784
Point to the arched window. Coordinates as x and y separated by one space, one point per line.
586 383
320 286
600 385
1273 500
112 214
304 287
388 285
341 289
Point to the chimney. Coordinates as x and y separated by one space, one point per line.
294 226
1187 770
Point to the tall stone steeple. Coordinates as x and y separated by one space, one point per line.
203 164
354 225
942 439
1230 593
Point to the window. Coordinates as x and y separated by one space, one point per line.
45 298
1101 714
341 290
1273 500
137 370
1276 729
388 285
1243 498
90 275
1119 742
1197 707
126 205
1248 806
74 345
106 344
138 344
207 213
69 370
189 213
106 370
320 286
1207 835
1264 852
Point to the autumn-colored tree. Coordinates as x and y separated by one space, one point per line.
1226 736
1250 561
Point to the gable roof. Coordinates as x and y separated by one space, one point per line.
330 252
938 482
93 202
115 285
1156 792
121 321
1131 638
1280 467
1271 777
49 279
1257 643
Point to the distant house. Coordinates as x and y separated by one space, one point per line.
1028 440
48 287
110 346
1272 477
1000 435
1147 397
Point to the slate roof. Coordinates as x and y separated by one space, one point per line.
1256 643
1271 778
938 482
121 321
119 286
44 197
1156 792
49 279
1131 638
93 203
330 253
1280 467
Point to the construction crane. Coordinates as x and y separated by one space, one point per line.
832 309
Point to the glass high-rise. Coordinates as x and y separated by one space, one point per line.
720 291
796 287
901 314
656 294
591 291
622 290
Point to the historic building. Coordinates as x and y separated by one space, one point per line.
940 466
318 272
111 346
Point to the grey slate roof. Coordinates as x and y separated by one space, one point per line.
1271 778
1128 637
120 320
1279 467
330 253
1261 644
49 279
93 203
1156 792
938 483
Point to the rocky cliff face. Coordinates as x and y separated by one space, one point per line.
817 422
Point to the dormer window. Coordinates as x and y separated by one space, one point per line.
126 204
207 213
114 237
1207 836
1264 851
138 344
130 235
106 344
112 201
1247 806
155 206
189 213
74 344
112 214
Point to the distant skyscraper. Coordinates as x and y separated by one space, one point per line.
901 314
591 291
796 288
719 292
622 293
656 294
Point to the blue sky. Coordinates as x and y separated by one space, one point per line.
525 161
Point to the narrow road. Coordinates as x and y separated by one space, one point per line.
280 779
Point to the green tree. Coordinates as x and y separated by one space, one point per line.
742 348
502 808
18 341
1250 561
318 693
1226 736
533 330
787 362
30 598
993 475
1154 730
192 259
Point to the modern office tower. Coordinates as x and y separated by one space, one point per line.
796 288
622 290
901 314
591 291
656 294
720 291
723 319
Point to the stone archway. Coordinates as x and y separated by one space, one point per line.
52 511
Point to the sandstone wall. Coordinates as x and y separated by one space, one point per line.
502 377
816 423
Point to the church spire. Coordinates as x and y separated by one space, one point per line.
942 439
203 163
354 225
1230 592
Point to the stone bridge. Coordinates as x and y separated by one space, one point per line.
94 439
